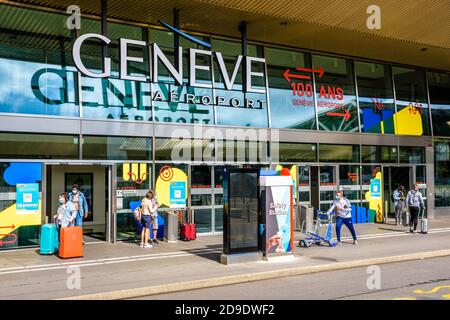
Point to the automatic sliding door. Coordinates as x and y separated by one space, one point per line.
327 186
201 198
349 182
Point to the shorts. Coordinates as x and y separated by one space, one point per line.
146 221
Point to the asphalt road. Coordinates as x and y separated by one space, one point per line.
420 280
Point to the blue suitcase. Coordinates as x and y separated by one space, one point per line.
49 243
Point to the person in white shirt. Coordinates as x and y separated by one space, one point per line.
149 209
344 215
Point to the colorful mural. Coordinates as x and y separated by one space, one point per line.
26 211
375 197
407 121
171 187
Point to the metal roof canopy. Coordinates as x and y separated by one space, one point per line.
414 32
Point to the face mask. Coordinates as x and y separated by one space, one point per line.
337 197
61 200
75 191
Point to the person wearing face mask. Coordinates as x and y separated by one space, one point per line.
414 201
66 214
344 215
79 200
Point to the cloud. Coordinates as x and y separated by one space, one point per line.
21 172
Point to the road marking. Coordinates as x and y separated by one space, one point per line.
434 290
78 263
394 234
405 298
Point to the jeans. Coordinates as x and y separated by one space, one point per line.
399 209
79 220
414 212
348 223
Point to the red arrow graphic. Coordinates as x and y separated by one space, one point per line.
288 76
8 227
319 70
2 242
346 114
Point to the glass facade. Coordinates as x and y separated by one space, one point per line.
38 77
305 91
291 91
442 172
411 101
116 148
297 152
338 153
336 94
439 89
375 97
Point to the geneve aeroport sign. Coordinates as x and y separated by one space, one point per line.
156 56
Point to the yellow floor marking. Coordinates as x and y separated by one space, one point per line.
434 290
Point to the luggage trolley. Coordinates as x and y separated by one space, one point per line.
323 231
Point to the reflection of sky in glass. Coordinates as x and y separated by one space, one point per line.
285 114
16 88
371 100
238 116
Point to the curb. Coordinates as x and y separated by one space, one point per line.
250 277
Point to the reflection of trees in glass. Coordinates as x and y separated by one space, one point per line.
335 93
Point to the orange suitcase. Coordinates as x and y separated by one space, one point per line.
71 242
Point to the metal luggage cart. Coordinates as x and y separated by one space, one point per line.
323 231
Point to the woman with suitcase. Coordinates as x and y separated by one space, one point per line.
66 214
414 201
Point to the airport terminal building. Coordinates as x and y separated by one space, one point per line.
125 96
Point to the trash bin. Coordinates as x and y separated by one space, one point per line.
307 217
170 226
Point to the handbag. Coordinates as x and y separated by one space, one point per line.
137 213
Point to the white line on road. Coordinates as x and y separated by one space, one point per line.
62 265
394 234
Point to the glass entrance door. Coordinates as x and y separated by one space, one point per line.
393 178
327 186
94 182
201 198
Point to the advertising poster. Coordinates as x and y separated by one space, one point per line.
278 219
375 197
27 198
177 194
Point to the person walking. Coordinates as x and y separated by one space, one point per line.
399 204
344 216
66 214
81 205
148 210
414 201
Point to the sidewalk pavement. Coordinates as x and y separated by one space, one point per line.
109 267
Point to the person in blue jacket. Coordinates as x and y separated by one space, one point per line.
79 200
344 215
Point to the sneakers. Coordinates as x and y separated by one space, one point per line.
411 230
141 245
339 243
355 242
148 245
156 241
